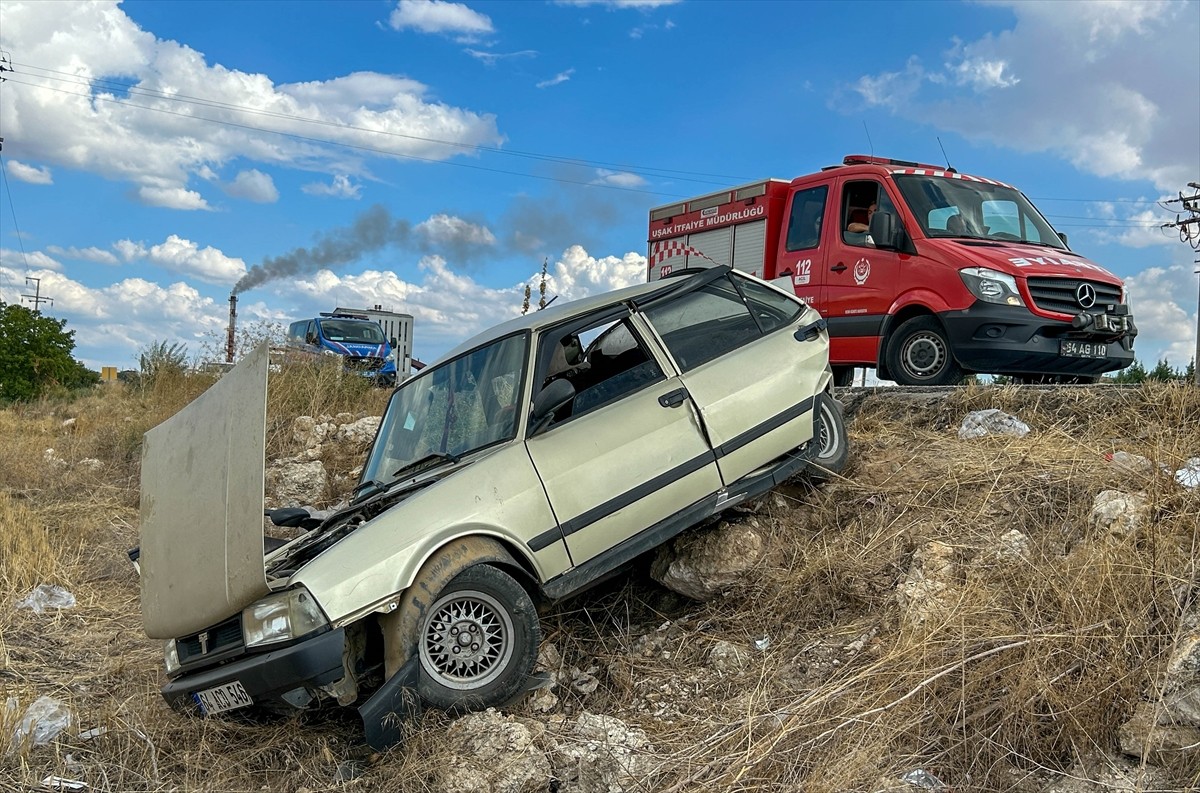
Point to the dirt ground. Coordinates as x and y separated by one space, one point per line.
949 606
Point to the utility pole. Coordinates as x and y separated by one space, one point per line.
36 298
1189 232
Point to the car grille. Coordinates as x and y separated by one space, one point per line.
364 364
222 639
1058 295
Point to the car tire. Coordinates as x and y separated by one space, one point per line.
492 664
918 353
829 435
843 376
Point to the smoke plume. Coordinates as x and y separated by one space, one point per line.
371 231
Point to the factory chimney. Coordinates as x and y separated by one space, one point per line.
230 334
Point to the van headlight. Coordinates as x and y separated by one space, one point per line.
992 286
282 617
171 658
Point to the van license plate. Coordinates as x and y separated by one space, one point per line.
1083 349
227 696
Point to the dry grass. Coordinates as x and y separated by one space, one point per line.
1029 664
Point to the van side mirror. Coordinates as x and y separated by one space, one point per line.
1063 237
394 345
550 399
883 230
310 338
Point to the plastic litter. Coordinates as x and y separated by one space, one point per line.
42 722
59 783
1189 475
47 596
93 733
922 779
979 423
762 642
1130 463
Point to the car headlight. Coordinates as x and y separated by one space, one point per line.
282 617
992 286
171 658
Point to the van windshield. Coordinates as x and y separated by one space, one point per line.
960 208
450 410
360 331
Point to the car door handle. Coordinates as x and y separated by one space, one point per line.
837 268
674 399
810 331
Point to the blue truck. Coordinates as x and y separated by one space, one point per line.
360 342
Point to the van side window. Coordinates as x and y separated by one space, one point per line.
804 223
860 201
310 333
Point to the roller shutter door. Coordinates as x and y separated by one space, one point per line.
749 247
716 245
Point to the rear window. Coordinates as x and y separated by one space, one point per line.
705 324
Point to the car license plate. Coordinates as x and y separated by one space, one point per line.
1083 349
227 696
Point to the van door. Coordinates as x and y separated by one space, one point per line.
861 281
800 255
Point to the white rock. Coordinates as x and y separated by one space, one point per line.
704 564
361 432
298 483
930 585
602 754
727 657
979 423
1119 514
493 752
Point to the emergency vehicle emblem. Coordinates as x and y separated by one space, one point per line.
862 271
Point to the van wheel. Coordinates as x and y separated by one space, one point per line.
829 434
479 642
918 353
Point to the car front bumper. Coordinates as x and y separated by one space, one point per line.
285 678
1011 340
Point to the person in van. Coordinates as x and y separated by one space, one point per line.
858 226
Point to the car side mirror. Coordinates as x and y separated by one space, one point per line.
550 399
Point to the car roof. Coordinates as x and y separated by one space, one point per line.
552 315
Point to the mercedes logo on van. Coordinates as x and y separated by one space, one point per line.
1085 294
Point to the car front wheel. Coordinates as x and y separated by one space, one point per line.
829 435
479 642
919 354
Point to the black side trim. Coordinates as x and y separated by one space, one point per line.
575 579
636 494
773 423
391 710
545 539
864 325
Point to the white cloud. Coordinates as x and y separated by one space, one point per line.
186 258
340 187
172 198
32 260
92 254
29 173
444 229
1163 301
578 274
1083 80
1142 229
644 5
436 16
618 178
75 122
254 185
561 77
492 58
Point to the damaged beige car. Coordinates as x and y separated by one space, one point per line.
530 462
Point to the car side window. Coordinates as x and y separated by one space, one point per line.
705 324
771 309
602 358
804 223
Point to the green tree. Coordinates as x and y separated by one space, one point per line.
162 358
1189 374
35 355
1134 373
1162 372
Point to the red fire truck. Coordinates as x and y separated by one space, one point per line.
922 272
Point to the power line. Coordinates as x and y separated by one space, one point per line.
12 207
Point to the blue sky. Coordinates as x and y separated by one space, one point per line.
145 174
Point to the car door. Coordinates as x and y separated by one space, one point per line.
747 357
861 281
628 454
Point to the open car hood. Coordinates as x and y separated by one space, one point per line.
202 505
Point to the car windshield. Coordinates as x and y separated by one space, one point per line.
450 410
361 331
975 210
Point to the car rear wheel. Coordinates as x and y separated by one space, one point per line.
918 353
479 641
829 435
